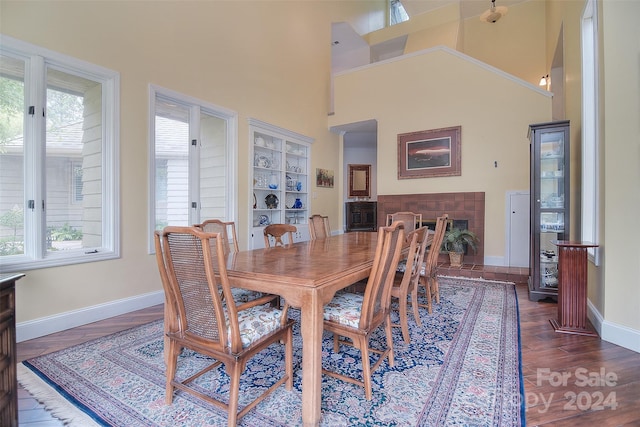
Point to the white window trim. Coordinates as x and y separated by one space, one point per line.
590 130
230 116
110 81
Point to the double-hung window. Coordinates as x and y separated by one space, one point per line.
193 158
58 159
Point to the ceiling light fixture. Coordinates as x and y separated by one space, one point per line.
543 80
494 13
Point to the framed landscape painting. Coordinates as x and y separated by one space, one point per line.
324 178
429 153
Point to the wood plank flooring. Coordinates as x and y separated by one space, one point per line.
597 375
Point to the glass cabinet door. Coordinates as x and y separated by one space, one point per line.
549 204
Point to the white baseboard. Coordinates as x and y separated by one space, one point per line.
611 332
60 322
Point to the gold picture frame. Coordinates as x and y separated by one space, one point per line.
430 153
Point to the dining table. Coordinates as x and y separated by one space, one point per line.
307 275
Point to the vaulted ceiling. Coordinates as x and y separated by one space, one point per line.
468 8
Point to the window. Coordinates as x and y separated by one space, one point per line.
58 146
193 156
590 132
397 13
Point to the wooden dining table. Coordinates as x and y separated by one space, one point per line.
307 275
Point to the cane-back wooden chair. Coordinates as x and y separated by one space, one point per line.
411 220
429 274
198 319
274 232
227 232
319 227
406 283
226 228
356 316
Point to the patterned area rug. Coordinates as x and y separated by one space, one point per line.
461 368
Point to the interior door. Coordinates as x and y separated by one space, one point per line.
518 230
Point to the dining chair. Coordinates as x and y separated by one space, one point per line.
197 318
226 228
429 272
406 283
276 231
227 231
411 220
319 227
356 316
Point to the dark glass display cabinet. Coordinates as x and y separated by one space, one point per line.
549 205
361 216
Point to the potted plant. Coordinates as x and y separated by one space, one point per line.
454 242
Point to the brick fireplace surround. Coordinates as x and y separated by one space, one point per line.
459 206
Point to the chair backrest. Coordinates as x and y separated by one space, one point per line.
377 293
417 240
193 275
171 320
410 220
319 227
226 229
276 231
434 249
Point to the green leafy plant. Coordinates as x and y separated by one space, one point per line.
66 232
456 239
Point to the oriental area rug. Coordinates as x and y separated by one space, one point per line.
462 367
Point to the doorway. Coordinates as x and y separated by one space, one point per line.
517 229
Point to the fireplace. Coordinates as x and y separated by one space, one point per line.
465 210
451 223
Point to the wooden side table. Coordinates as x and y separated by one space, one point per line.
572 288
8 376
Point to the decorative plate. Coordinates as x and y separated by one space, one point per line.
263 162
271 200
289 201
264 220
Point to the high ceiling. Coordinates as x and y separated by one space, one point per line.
468 8
345 40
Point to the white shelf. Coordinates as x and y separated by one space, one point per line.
280 159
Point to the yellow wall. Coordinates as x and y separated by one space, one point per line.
440 89
621 204
435 28
266 60
271 60
515 44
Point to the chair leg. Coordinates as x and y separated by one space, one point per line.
427 289
234 392
436 288
387 329
171 359
414 305
363 345
402 302
288 359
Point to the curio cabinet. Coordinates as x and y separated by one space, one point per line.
549 205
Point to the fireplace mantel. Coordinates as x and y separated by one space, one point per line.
460 206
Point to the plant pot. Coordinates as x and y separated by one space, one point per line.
455 259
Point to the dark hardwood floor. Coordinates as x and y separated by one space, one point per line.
569 379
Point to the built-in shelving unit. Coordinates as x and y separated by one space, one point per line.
280 180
